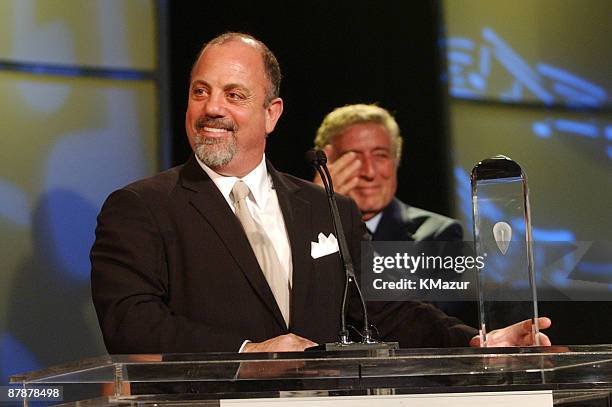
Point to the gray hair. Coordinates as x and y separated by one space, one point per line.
343 117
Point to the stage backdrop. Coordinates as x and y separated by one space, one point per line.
79 109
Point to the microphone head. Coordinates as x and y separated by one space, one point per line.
321 157
312 157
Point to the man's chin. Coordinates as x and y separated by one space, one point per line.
369 209
367 215
214 158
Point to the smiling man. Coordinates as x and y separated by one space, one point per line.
233 104
364 146
215 255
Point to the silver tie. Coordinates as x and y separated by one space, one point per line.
263 249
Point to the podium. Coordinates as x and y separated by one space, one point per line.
534 376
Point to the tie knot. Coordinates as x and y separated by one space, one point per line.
240 190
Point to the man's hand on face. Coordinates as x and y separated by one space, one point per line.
518 334
283 343
344 170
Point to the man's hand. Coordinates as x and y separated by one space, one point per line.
344 171
518 334
283 343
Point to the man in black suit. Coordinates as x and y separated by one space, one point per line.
172 268
176 266
364 146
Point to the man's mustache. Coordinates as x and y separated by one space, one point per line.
217 123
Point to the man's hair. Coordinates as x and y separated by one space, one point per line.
271 67
343 117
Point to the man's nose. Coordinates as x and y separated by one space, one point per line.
215 105
367 170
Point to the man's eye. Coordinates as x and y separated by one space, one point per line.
199 91
235 96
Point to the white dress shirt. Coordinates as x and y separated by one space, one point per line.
372 223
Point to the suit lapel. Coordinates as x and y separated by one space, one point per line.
297 216
210 203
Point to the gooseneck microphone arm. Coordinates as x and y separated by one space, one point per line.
344 334
318 159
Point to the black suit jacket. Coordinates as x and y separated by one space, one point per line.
172 270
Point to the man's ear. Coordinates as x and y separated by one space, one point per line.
273 113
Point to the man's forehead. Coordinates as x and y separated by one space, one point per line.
369 135
230 57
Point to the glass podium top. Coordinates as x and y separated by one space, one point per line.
565 371
563 361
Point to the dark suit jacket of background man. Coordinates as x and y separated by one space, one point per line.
173 271
402 222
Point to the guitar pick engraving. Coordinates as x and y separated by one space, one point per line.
503 234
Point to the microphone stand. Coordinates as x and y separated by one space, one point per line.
318 159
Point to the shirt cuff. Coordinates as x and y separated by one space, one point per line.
243 345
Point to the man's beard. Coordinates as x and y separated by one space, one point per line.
212 151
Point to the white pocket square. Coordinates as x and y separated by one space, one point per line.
326 245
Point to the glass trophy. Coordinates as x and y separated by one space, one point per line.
502 236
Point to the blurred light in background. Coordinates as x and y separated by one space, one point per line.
530 79
79 105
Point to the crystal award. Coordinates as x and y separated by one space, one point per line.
503 239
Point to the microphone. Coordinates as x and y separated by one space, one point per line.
318 159
321 156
